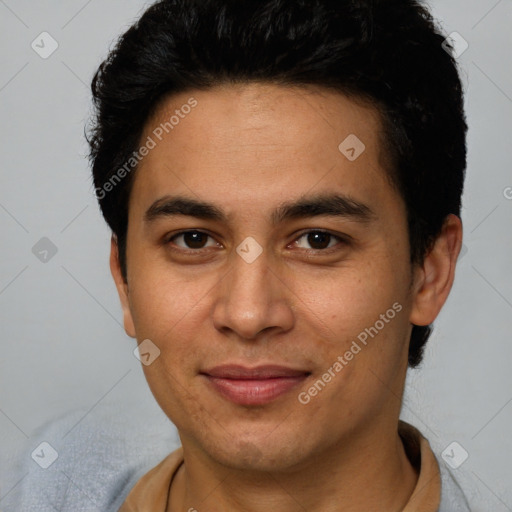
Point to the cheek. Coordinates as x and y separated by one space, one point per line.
164 299
359 313
353 295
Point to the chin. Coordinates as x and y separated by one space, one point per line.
257 455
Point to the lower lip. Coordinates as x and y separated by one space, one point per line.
254 392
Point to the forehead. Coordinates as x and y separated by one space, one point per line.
300 114
257 143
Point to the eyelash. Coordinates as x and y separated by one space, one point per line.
341 240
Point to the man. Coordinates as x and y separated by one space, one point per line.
283 182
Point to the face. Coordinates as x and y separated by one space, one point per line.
252 278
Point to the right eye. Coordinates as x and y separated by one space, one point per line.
193 241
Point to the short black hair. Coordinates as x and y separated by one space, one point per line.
386 52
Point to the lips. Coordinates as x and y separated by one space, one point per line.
233 371
253 386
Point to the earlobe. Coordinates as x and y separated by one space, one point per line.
434 279
122 287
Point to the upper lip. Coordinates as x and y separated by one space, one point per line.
235 371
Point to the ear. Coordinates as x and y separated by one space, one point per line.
434 278
122 287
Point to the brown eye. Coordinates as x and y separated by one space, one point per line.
191 239
318 240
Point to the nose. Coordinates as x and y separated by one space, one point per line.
252 299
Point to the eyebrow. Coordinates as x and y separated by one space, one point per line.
331 205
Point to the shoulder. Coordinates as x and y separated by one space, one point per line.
452 496
418 447
93 460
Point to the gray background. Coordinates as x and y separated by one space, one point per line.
62 342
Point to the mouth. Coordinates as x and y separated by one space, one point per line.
253 386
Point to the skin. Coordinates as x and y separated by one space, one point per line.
247 148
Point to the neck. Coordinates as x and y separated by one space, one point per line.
369 471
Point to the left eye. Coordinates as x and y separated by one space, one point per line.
319 240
